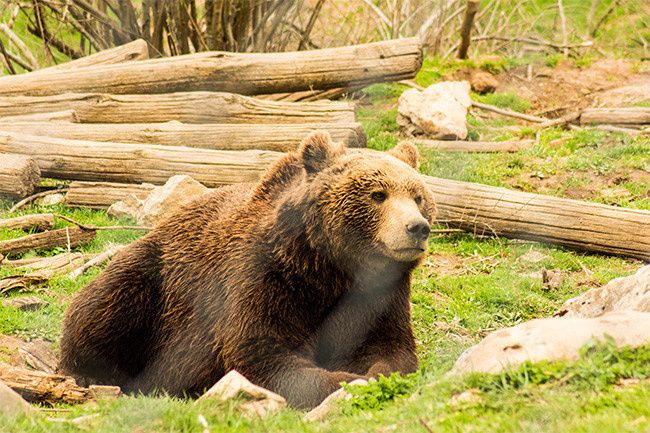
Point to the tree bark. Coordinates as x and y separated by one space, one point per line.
246 74
41 387
191 107
68 116
133 163
135 50
636 116
280 138
575 224
101 195
72 236
466 29
40 222
19 176
474 146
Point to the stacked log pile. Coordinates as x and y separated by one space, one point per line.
121 117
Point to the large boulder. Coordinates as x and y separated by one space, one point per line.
438 112
558 338
625 293
11 403
162 201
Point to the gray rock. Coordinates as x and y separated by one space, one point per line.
257 400
130 206
50 200
439 112
11 403
551 339
625 293
484 82
164 200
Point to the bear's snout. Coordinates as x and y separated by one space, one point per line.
418 229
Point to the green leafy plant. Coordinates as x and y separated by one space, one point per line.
377 392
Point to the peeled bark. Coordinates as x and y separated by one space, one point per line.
246 74
280 138
72 236
38 222
101 195
134 163
575 224
187 107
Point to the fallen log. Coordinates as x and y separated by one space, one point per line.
101 195
185 107
575 224
47 267
42 387
134 163
98 260
134 50
19 175
39 222
618 116
19 282
57 116
475 146
56 262
71 236
36 354
246 74
280 138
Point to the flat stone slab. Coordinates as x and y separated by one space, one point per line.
557 338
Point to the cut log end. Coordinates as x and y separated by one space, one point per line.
19 176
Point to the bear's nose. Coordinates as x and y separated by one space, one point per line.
419 229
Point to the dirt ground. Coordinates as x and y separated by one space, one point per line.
554 91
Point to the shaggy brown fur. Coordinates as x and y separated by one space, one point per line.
299 282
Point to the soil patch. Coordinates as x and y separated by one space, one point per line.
582 185
554 91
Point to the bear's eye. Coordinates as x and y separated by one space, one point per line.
418 200
378 196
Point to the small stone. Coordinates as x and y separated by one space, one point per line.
470 397
50 200
258 400
615 193
129 207
105 392
533 257
483 82
27 303
11 403
331 402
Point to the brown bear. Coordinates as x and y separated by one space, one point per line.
299 282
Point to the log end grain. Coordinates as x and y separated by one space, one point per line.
19 176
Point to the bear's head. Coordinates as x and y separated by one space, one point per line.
364 207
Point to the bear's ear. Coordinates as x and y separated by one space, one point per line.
407 152
318 151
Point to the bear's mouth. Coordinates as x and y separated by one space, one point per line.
408 254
